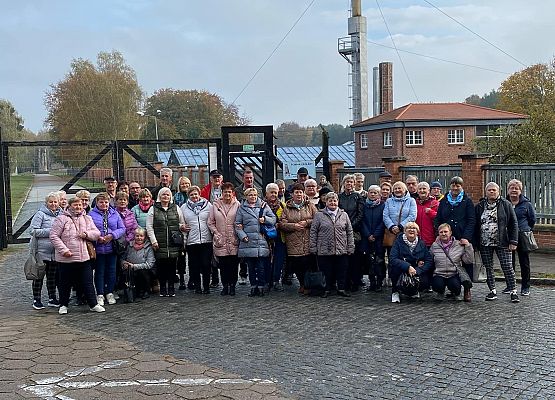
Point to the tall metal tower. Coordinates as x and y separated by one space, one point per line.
353 48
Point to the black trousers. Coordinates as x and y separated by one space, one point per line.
300 265
229 265
80 272
143 280
200 263
334 269
524 262
165 267
452 283
51 280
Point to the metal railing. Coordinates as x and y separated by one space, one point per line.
371 174
538 182
431 173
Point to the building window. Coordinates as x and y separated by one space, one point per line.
387 139
414 138
455 136
363 140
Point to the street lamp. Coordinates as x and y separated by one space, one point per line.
158 112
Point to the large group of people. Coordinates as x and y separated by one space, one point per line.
392 232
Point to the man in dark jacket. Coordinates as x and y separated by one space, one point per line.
457 210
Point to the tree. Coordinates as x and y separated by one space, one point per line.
490 100
531 92
190 114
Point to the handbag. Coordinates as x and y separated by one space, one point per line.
315 282
408 284
120 246
129 286
34 267
91 250
527 241
176 238
269 231
463 275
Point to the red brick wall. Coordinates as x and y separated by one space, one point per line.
434 151
545 236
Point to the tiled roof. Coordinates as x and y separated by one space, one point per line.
440 112
197 157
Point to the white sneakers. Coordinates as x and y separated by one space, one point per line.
98 308
62 310
395 298
111 299
100 299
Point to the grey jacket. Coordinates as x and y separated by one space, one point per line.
247 225
459 254
329 237
40 228
141 259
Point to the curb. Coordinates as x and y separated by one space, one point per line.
535 281
14 218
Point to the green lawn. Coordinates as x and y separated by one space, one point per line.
19 185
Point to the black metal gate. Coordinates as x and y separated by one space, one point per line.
114 155
249 147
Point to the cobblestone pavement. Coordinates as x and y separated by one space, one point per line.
338 348
43 357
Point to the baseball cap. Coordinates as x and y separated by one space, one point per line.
110 179
215 172
385 174
436 184
302 171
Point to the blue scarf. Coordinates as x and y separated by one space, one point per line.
456 201
374 203
196 207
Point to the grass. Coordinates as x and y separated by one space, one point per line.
84 182
19 185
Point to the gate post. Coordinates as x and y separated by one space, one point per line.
3 222
117 161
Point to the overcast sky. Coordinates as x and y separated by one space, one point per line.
218 45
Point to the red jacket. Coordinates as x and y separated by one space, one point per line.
205 191
425 220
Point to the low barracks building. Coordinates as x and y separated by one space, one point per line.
427 134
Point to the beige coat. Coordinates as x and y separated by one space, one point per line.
459 254
222 225
329 237
297 241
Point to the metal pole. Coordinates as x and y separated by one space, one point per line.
156 132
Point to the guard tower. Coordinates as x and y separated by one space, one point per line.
353 48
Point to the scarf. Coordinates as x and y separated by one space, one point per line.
447 246
374 203
274 205
412 245
105 221
145 208
455 201
297 206
73 213
196 207
137 246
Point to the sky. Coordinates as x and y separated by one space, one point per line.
218 45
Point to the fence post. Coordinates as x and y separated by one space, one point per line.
334 175
473 174
3 203
393 166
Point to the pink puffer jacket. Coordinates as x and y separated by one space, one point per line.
64 235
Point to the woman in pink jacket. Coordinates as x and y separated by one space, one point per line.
221 222
69 233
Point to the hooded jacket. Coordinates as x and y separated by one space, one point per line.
458 253
64 235
115 228
141 259
247 225
222 226
525 214
460 217
297 242
40 228
372 224
393 207
425 220
197 221
329 237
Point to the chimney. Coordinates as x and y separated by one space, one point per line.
386 87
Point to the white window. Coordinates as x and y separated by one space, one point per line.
387 140
363 140
455 136
414 138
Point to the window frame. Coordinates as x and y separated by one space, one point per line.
410 136
389 143
454 133
363 141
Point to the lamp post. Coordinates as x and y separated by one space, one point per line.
158 112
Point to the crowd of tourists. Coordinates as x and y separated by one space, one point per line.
392 232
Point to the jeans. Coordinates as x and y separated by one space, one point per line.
80 272
105 273
257 271
280 251
452 283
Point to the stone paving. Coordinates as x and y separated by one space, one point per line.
309 348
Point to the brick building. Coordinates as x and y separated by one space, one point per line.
427 134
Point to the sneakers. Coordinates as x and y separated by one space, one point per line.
53 303
278 287
415 296
62 310
525 292
395 298
506 291
37 304
242 280
514 298
111 299
116 296
97 308
459 297
491 296
100 299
